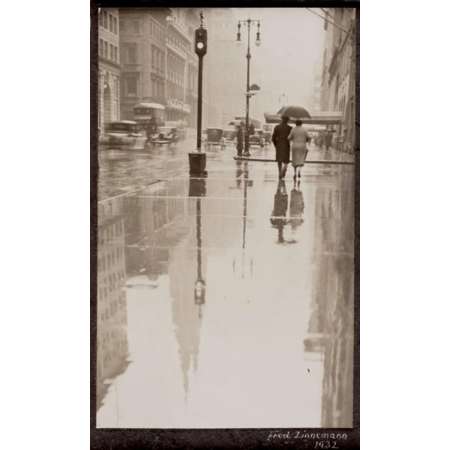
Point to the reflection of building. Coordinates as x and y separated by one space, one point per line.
112 343
331 324
108 67
339 70
154 223
186 317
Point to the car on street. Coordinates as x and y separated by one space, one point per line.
180 128
257 139
123 135
165 136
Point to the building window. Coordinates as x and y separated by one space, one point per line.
136 26
115 25
130 53
103 22
111 51
131 84
110 22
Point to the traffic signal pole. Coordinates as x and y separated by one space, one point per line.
199 103
197 160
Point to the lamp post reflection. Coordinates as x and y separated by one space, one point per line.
200 285
242 169
197 188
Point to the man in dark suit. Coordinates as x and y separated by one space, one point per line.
282 145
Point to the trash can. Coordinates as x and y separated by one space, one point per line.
197 163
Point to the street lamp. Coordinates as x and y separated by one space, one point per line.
249 22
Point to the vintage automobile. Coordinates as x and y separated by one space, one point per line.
165 136
257 139
214 137
180 128
267 132
123 135
229 135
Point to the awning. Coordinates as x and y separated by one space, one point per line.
317 118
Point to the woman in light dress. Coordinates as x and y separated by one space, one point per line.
299 138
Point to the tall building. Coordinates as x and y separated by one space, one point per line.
109 67
224 69
143 48
314 101
158 60
339 71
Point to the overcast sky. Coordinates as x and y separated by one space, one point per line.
291 45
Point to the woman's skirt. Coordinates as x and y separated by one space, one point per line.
282 154
299 154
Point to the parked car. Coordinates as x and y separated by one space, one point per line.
257 139
229 135
124 135
180 128
214 137
165 135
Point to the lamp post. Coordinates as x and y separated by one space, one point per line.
249 22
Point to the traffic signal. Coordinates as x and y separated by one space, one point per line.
201 41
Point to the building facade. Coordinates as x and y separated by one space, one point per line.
142 46
108 67
158 63
224 89
339 71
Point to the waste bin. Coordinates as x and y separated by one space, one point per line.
197 163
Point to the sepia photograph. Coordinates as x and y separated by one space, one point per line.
226 221
184 270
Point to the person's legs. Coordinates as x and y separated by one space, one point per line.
279 163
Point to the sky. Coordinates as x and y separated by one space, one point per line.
291 45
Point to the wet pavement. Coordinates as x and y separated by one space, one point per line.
224 301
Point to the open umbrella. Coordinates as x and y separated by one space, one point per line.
294 112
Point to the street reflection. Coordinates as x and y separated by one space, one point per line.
280 205
330 329
179 266
296 207
112 342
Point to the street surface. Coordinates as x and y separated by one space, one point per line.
225 301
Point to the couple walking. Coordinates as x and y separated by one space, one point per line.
283 135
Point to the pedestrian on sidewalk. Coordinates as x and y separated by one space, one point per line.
282 145
240 139
328 139
299 138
